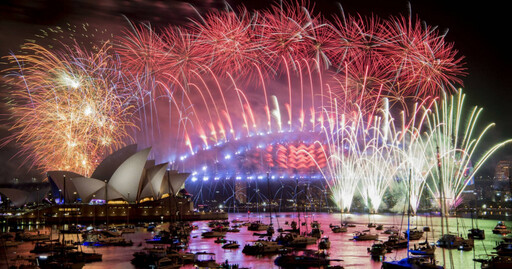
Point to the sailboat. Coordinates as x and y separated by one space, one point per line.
475 232
416 261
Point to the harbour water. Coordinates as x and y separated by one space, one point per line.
353 253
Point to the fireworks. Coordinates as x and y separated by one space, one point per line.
283 73
452 144
70 107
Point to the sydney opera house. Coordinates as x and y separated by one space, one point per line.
125 186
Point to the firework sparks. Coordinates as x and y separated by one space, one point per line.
70 107
452 143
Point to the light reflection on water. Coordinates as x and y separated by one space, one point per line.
354 254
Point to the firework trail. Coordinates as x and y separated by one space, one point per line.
452 142
235 74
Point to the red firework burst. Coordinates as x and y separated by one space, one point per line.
360 37
142 50
227 40
284 31
425 63
183 56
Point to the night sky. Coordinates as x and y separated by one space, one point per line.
479 30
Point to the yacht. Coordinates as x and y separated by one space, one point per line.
495 261
417 262
306 260
295 240
105 238
263 247
205 260
231 244
424 248
500 228
395 241
168 263
455 242
476 233
365 236
415 234
213 234
378 249
391 230
258 226
338 229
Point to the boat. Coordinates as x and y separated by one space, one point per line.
372 225
324 243
231 244
295 240
75 259
424 248
44 263
504 248
416 262
391 230
379 227
476 233
378 249
205 260
168 263
270 232
414 234
47 247
338 229
495 261
451 241
105 238
258 226
20 236
213 234
316 232
294 228
149 256
220 240
396 242
263 247
365 236
500 228
305 260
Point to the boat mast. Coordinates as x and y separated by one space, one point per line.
441 198
408 213
269 198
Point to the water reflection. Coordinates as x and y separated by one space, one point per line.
353 253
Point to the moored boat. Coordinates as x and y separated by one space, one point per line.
231 244
414 234
365 236
476 233
263 247
324 243
500 228
213 234
305 260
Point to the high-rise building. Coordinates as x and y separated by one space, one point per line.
503 170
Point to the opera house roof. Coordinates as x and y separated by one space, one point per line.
126 175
